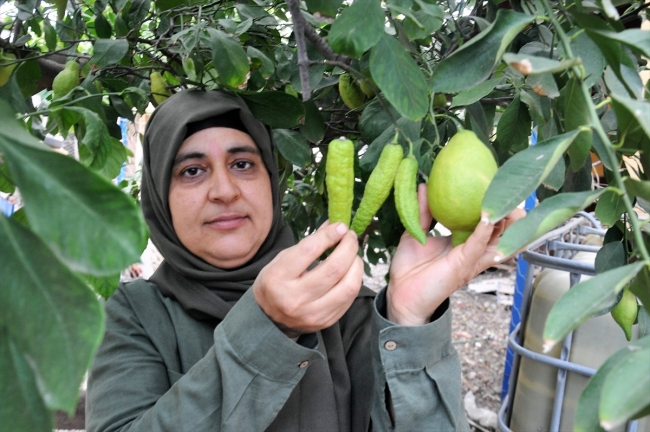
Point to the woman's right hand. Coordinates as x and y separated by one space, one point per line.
303 301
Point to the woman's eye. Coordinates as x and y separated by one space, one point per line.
191 172
242 165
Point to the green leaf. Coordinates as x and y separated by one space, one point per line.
314 127
407 127
475 60
548 215
586 416
122 108
23 409
293 147
52 316
584 300
514 126
593 61
358 28
274 108
533 65
637 188
6 181
108 52
50 35
421 24
83 217
640 286
610 207
138 12
555 179
474 94
28 76
637 39
104 286
95 137
625 390
229 58
576 114
324 7
116 155
267 68
375 119
610 256
399 78
103 27
631 114
520 175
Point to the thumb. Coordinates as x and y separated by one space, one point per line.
425 213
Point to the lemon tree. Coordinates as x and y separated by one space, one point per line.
412 72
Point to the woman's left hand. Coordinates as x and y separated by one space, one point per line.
422 277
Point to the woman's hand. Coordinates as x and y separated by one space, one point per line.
303 301
422 277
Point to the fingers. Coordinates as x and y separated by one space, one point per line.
334 267
299 257
425 213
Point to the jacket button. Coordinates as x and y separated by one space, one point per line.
304 364
390 345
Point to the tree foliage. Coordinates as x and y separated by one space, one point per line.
425 68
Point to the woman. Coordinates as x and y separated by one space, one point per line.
238 330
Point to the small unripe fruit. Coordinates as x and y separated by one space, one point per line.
159 89
6 71
66 80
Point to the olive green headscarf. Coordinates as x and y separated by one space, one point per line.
204 290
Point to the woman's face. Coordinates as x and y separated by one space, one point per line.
220 196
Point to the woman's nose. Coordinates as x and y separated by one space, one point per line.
223 187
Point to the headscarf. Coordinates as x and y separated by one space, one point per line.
204 291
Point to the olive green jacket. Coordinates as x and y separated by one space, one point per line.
158 369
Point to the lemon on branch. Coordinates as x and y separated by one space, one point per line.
159 89
460 175
66 80
350 92
6 69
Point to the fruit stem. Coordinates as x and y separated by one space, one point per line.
598 128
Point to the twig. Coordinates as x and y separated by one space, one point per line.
303 59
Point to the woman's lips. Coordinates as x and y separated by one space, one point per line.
228 222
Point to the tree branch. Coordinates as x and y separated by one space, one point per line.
303 59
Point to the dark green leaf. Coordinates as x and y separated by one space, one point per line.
592 59
122 108
543 85
375 118
474 94
95 137
267 68
637 39
324 7
358 28
138 12
104 286
610 207
514 126
640 286
28 74
631 114
555 179
6 181
115 156
274 108
548 215
522 174
50 35
610 256
407 127
475 60
576 114
108 52
293 147
314 127
421 24
533 65
23 409
56 321
105 231
103 27
11 93
586 416
585 299
229 58
625 390
399 78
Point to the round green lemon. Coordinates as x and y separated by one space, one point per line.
460 175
